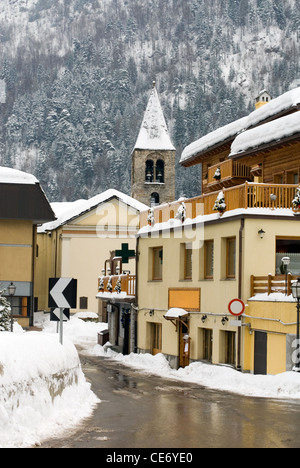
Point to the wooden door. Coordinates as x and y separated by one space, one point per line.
184 345
156 341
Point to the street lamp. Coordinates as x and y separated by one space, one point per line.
296 295
285 261
11 292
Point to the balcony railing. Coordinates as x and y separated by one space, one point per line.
229 173
117 284
248 195
272 284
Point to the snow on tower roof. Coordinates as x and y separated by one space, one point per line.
275 108
154 133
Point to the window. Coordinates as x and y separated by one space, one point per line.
160 171
278 178
288 248
292 177
20 306
83 303
188 252
154 200
209 259
230 257
149 171
157 263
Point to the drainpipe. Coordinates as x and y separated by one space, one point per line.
239 367
34 242
136 294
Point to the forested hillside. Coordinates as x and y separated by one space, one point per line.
78 75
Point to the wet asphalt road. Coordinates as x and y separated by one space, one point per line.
143 411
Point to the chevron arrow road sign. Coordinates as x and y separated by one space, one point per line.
62 293
55 315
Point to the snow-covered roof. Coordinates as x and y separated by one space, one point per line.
66 211
276 130
270 110
176 312
13 176
153 134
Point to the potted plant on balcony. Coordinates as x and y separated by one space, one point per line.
296 201
150 217
181 212
118 287
101 283
109 285
220 204
217 175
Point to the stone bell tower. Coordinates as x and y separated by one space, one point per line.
153 158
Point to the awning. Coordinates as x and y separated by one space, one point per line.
177 315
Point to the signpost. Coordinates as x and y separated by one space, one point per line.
237 307
62 298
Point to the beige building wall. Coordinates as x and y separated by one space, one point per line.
79 249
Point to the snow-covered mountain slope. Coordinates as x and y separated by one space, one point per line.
78 75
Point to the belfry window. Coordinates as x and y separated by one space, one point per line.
149 171
160 171
154 201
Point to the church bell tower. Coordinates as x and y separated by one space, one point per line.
153 158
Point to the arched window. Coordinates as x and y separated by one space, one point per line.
154 200
160 171
149 171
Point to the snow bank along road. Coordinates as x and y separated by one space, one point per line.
41 383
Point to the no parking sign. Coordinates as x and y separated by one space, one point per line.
236 307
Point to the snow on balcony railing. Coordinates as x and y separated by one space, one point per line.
117 286
248 195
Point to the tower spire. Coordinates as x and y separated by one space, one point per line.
154 134
153 157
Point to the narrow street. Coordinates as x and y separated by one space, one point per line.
143 411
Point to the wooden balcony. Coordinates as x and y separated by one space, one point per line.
231 173
272 284
248 195
119 287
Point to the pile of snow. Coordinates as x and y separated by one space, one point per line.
41 383
223 378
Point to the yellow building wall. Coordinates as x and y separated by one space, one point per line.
16 239
276 355
277 319
17 246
